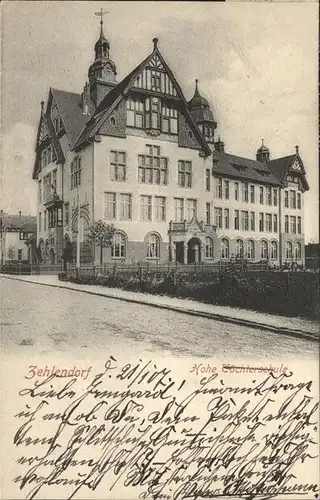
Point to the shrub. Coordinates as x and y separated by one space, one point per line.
62 276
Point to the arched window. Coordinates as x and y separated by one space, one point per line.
274 250
239 248
264 249
118 248
153 246
298 251
224 248
251 250
209 248
289 250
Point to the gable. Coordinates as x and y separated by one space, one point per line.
146 78
155 79
297 167
43 131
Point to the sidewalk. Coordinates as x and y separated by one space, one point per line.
298 327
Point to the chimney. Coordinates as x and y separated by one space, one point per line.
297 150
20 213
219 146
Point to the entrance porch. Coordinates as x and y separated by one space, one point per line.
191 242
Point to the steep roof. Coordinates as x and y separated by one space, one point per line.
243 168
69 105
112 99
281 166
26 223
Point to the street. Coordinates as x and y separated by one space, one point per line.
42 320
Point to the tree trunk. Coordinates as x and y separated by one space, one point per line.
101 254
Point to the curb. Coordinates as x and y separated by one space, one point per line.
191 312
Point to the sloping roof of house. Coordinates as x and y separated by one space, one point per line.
280 167
69 105
25 223
111 100
243 168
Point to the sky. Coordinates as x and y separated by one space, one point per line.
257 63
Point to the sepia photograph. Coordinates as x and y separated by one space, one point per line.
159 250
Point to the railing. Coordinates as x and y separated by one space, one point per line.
34 269
154 268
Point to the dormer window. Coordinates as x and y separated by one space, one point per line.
156 81
240 168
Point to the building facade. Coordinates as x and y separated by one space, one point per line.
138 155
16 234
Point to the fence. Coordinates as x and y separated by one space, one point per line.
164 269
33 269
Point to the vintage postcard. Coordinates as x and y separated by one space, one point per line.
159 251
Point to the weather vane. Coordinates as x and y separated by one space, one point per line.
101 13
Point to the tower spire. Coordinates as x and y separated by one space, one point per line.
101 13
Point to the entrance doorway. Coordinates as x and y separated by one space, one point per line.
179 252
51 256
193 250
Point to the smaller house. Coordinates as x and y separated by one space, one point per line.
312 256
17 233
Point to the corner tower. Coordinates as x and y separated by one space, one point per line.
102 72
201 113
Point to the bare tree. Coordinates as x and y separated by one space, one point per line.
101 234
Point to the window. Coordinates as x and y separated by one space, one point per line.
289 250
261 222
145 208
40 192
275 223
118 249
299 200
236 191
135 113
226 190
292 199
286 224
156 81
269 196
252 221
110 206
208 213
76 172
153 246
252 194
218 185
208 248
66 214
224 248
169 119
207 179
218 217
191 209
45 220
236 219
125 207
178 209
226 218
244 220
117 165
152 168
293 228
275 197
261 197
239 248
250 250
269 223
299 225
19 255
160 208
52 218
23 236
54 180
39 228
47 156
244 190
184 173
286 199
153 113
274 250
298 251
264 249
47 186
